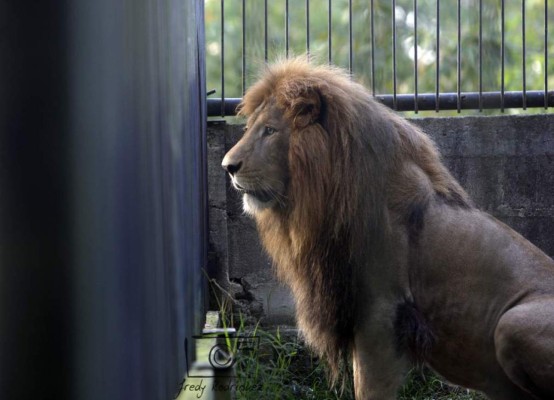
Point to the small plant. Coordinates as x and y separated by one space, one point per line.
281 368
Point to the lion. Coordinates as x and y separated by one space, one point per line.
390 263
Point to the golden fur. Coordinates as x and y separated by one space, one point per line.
345 195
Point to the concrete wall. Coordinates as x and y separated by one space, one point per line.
506 164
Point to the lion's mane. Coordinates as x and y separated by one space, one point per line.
343 155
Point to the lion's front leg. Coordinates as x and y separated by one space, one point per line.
524 341
379 369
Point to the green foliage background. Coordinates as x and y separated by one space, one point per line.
361 67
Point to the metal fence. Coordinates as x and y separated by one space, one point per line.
441 55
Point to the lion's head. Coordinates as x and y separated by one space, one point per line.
296 153
258 164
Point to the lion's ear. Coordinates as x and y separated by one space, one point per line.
302 102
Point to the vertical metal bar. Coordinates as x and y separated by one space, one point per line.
329 27
265 30
437 66
243 46
287 28
523 56
415 59
502 54
308 28
545 54
459 60
480 55
222 58
350 66
394 54
372 51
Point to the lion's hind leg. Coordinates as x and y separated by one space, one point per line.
524 340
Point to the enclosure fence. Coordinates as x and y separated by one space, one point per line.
426 55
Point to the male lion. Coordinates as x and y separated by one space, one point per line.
389 262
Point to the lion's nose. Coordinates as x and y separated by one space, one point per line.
230 167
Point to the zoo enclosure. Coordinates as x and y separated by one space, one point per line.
442 55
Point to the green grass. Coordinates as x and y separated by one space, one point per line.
425 385
281 368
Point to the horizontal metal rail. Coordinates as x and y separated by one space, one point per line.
427 101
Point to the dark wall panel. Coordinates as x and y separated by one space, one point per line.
102 174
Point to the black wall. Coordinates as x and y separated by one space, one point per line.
102 196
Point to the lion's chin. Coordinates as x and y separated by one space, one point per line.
252 205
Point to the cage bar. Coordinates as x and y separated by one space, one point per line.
545 54
308 28
459 58
415 56
480 55
437 60
523 55
372 50
502 53
243 46
287 28
222 58
394 54
265 31
350 53
330 27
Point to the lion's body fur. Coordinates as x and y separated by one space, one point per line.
368 215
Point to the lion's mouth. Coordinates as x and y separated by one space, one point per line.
262 195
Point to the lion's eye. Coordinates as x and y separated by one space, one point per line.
269 131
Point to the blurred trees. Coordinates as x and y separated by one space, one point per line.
383 56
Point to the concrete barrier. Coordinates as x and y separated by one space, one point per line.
506 163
